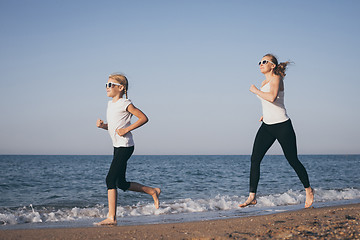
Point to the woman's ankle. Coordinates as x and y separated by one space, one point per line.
252 196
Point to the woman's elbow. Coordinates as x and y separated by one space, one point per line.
272 99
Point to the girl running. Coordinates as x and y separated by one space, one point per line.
119 113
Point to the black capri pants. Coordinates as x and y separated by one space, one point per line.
265 137
116 177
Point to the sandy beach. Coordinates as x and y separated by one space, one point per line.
338 222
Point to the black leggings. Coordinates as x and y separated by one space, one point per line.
265 137
116 175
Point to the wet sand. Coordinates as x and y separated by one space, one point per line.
338 222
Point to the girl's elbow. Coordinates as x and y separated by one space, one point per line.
146 119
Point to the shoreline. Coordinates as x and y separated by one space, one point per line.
342 221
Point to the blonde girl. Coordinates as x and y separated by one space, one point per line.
119 113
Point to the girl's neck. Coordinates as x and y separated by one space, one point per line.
117 97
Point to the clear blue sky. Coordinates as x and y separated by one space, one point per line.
190 65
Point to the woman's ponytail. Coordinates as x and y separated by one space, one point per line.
280 68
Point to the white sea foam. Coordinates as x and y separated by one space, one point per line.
31 214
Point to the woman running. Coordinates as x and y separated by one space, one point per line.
276 125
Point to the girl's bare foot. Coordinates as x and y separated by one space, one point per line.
155 196
309 197
108 221
248 202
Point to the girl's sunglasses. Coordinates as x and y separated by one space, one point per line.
112 84
263 62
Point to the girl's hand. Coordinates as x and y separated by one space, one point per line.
253 89
99 123
121 131
261 119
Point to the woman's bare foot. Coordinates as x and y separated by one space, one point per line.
309 197
155 196
248 202
108 221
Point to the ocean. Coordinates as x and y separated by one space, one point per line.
42 191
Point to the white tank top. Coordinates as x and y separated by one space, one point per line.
274 112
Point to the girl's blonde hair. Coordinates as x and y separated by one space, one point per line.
280 68
120 78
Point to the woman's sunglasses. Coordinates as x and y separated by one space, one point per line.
112 84
263 62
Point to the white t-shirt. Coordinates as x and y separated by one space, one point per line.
118 117
274 112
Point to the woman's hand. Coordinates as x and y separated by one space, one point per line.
253 89
99 123
261 119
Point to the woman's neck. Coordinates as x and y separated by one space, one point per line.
269 76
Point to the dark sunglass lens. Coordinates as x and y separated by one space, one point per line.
259 63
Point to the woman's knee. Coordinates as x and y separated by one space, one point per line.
295 162
256 159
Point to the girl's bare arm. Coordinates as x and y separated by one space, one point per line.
142 119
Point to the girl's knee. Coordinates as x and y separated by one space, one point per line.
123 185
110 183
